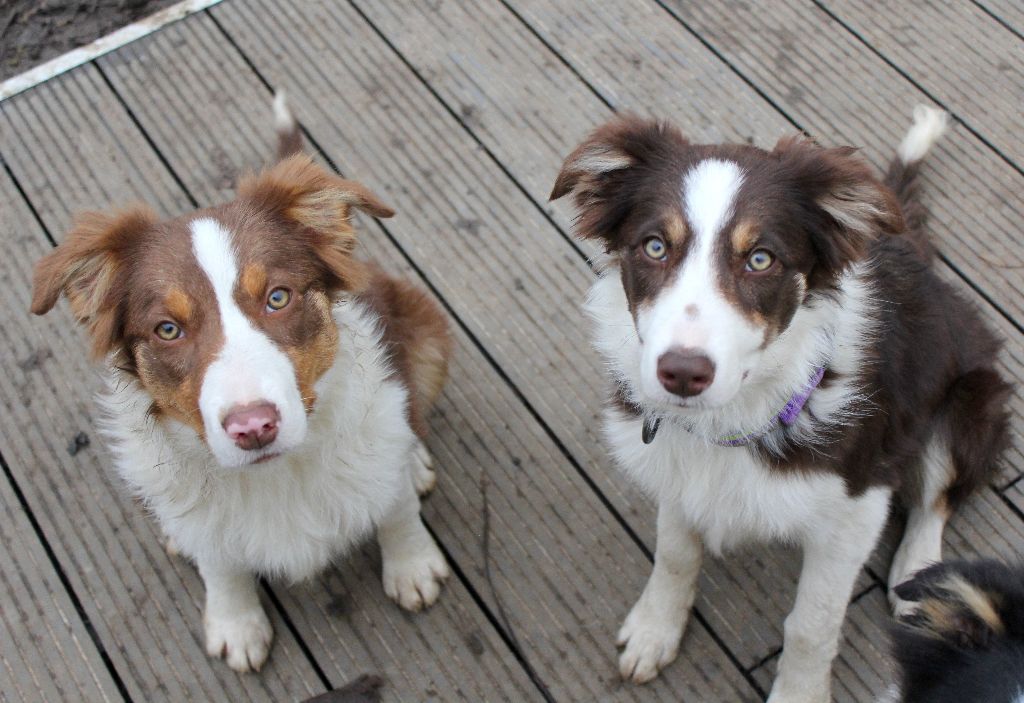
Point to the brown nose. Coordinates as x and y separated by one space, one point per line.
685 372
252 426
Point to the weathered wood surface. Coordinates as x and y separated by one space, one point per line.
45 648
459 114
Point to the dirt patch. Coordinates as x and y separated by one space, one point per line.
35 31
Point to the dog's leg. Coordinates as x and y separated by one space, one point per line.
414 567
236 627
922 538
654 626
833 557
424 477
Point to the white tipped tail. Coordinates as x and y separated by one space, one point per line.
929 124
289 137
284 120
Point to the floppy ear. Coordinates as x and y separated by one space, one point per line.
595 171
303 192
86 267
855 207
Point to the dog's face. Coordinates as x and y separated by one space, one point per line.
224 316
718 246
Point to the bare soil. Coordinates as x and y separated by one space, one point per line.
35 31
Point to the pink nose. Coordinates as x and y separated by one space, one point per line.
252 426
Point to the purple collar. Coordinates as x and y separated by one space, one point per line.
787 416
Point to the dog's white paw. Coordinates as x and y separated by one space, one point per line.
801 686
414 579
651 642
171 547
423 476
243 640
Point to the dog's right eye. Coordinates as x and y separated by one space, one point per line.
167 331
655 248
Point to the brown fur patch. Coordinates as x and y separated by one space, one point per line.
312 359
178 305
254 280
676 230
744 237
415 332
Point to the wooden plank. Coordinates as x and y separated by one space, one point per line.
408 673
143 606
45 650
379 106
984 526
560 608
828 82
957 52
1015 495
1009 12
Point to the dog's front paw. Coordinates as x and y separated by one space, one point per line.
413 579
651 642
243 640
801 687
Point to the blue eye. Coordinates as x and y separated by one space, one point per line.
655 248
167 331
760 260
278 298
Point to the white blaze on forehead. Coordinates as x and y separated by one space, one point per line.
709 192
691 310
249 367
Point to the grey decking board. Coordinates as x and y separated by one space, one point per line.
826 80
566 395
394 665
958 53
45 649
141 613
491 429
1010 12
984 526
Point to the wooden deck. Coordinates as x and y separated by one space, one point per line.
459 113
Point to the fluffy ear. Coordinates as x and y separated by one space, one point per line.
602 152
855 206
303 192
86 267
605 160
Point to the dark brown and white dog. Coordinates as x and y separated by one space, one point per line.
782 367
267 390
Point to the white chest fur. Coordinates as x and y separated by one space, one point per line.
291 515
724 493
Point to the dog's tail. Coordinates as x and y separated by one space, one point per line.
929 125
289 137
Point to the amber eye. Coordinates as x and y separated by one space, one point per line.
655 248
167 331
278 298
760 260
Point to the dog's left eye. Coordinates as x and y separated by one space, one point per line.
655 248
760 260
278 298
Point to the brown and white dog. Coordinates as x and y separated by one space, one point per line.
267 390
782 367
